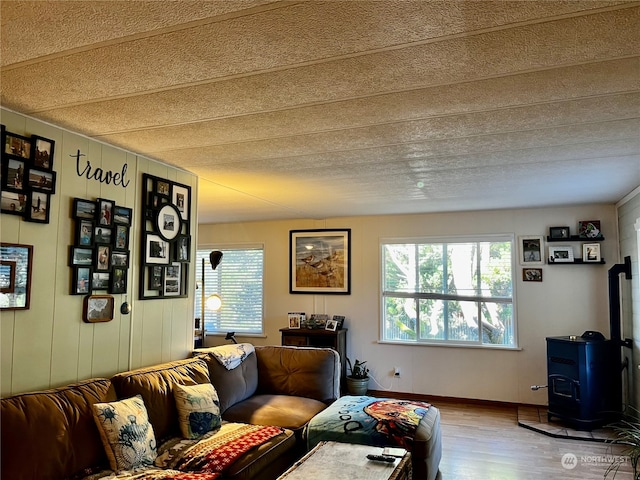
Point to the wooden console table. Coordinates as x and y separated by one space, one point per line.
333 460
312 337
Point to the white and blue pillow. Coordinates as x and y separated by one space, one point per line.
198 409
126 433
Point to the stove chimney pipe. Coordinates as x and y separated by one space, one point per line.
614 298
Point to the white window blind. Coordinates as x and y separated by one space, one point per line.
238 280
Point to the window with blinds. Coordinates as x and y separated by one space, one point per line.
238 280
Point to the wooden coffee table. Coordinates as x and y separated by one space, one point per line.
347 461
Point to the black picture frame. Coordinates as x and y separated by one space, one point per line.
155 277
84 233
559 233
102 234
119 259
19 259
183 249
42 152
13 174
81 281
102 260
122 215
315 253
81 257
41 180
163 187
120 237
38 207
104 212
165 232
84 209
16 145
531 274
118 280
14 203
100 281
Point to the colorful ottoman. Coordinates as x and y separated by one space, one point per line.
382 422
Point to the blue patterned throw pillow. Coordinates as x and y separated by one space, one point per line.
198 409
126 433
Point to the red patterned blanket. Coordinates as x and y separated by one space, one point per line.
202 459
216 455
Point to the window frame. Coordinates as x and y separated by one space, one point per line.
197 300
452 239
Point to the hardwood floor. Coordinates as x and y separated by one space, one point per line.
484 442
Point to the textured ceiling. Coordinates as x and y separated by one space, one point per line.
315 109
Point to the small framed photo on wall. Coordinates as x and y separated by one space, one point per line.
531 274
98 308
42 152
82 277
38 208
105 212
531 250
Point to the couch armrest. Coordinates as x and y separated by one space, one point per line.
301 371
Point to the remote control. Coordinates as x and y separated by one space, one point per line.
381 458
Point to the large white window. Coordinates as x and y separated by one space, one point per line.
238 281
454 291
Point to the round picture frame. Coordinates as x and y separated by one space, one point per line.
168 222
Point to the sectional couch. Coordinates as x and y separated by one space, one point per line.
54 434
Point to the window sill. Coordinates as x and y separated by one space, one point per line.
449 345
238 334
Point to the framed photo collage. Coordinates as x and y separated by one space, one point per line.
166 239
100 252
27 176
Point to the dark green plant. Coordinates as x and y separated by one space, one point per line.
627 434
358 370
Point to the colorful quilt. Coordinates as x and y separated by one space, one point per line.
368 421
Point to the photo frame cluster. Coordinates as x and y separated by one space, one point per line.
100 254
166 242
320 321
27 178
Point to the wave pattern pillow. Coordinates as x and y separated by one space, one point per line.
198 409
126 433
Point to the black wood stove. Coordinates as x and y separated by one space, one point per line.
584 373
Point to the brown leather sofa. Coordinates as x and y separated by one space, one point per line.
52 435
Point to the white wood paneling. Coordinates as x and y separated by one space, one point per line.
49 345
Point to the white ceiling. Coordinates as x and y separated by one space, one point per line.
309 109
